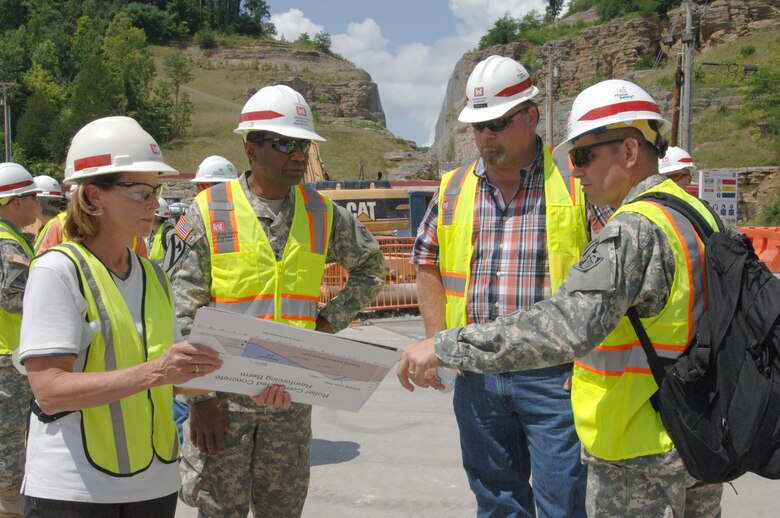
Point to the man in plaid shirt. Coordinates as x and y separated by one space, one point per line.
482 251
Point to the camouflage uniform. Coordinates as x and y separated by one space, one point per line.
269 445
15 394
630 263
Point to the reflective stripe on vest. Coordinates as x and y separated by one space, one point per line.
11 323
566 229
157 252
123 437
612 385
246 277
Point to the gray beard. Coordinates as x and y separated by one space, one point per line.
494 156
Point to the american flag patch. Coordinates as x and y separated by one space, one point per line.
20 259
183 228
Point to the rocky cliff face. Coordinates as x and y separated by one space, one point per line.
607 51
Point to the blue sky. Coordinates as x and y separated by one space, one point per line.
409 47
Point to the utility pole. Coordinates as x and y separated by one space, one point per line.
678 82
687 94
7 120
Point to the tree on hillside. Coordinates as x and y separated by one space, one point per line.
129 63
553 8
322 42
179 72
505 30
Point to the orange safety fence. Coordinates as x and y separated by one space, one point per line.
400 289
766 241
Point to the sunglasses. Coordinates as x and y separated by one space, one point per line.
580 156
285 145
143 194
497 125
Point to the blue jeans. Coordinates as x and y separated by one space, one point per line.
181 412
513 425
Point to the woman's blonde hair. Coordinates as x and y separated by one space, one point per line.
82 217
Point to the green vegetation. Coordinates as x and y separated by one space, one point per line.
770 216
741 127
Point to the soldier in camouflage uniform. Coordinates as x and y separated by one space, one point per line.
18 208
235 452
637 261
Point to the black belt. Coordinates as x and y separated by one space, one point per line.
43 416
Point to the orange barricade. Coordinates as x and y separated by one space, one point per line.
766 241
400 289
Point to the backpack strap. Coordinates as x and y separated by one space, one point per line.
683 207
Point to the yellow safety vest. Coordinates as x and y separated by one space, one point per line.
245 275
567 231
123 437
157 253
11 323
612 385
42 232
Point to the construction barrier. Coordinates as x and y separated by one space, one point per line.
766 242
400 289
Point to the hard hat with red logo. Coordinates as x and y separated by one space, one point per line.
15 180
215 169
48 187
113 145
279 109
613 104
676 159
163 211
496 85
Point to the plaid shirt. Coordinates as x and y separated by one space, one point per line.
509 265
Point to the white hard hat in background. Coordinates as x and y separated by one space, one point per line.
676 159
614 103
495 86
15 180
215 169
162 211
279 109
113 145
47 187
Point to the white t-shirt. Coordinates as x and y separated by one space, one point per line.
53 323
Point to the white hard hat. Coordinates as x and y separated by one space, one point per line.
113 145
676 159
215 169
163 211
47 187
15 180
279 109
494 87
613 102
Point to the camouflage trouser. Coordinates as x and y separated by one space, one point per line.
266 462
653 486
15 396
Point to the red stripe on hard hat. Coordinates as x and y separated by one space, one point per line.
91 161
614 109
16 185
515 89
263 115
685 160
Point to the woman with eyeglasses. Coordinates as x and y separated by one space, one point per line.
100 343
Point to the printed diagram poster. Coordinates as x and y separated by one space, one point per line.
719 189
315 368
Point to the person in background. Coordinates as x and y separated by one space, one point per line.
52 202
648 258
162 232
678 166
100 344
263 254
214 169
500 236
18 209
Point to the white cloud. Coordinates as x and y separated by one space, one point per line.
292 24
412 78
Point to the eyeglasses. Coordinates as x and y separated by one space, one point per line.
285 145
497 125
28 195
143 194
580 156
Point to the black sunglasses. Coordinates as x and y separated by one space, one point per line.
141 195
497 125
284 145
580 156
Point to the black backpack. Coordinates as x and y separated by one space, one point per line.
720 400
